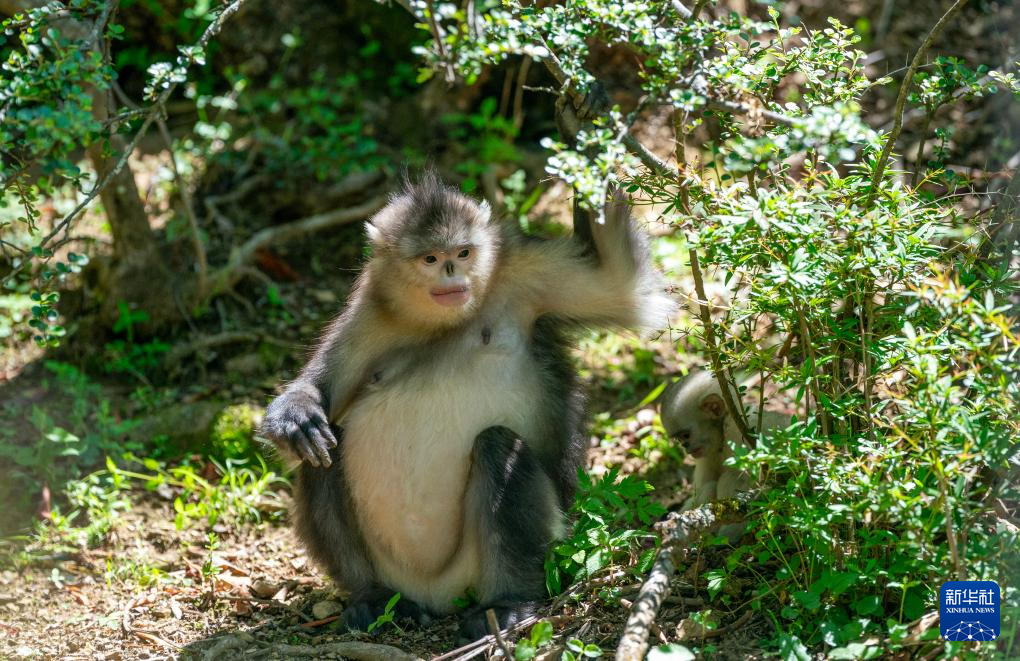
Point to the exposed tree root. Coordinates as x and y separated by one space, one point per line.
241 256
356 650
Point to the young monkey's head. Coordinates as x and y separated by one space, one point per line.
694 414
434 251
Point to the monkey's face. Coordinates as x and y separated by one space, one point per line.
441 277
446 274
694 415
700 436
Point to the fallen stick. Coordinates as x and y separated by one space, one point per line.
484 641
680 530
356 650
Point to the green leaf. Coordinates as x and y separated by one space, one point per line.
716 580
871 605
525 650
671 652
541 633
791 649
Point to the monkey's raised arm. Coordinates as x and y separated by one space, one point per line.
618 287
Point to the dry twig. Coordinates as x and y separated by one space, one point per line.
356 650
225 277
490 618
901 99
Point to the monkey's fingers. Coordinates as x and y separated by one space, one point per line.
319 443
327 432
301 444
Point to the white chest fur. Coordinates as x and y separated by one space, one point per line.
407 450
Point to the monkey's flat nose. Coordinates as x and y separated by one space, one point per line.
449 267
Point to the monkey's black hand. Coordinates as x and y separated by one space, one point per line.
296 422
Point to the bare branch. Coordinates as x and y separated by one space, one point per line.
683 529
736 413
490 618
228 275
189 211
901 99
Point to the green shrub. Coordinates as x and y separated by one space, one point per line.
899 356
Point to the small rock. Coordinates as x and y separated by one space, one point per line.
646 417
325 609
264 589
688 629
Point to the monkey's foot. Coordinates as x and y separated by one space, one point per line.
475 625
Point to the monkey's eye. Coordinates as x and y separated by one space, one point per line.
430 259
463 253
683 435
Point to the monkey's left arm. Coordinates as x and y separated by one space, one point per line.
618 287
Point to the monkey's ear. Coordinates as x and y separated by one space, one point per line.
484 212
713 406
375 235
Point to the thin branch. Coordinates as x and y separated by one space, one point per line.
901 99
490 619
439 38
189 211
683 530
97 28
679 8
436 30
650 160
240 256
736 413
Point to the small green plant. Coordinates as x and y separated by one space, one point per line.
243 493
577 650
133 571
124 355
540 636
387 615
210 570
610 518
61 450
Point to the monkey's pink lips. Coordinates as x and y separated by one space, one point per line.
450 296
